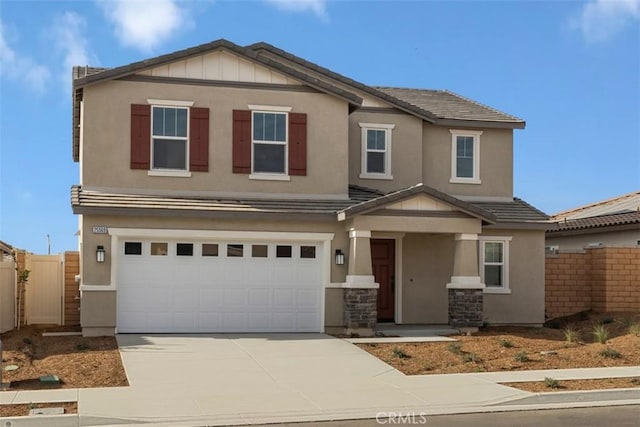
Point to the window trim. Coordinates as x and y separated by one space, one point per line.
275 176
475 134
387 128
504 240
185 173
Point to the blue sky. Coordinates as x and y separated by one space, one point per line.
571 69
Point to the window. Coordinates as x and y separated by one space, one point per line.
269 142
259 251
307 252
159 249
283 251
494 263
169 137
133 248
184 249
235 251
376 151
465 156
209 249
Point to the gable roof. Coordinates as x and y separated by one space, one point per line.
625 203
434 106
516 211
407 193
446 105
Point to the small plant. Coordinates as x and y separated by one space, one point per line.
634 328
455 348
571 334
470 358
82 346
33 405
400 353
522 357
551 383
505 343
27 340
600 333
610 353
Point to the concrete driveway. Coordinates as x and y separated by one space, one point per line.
230 379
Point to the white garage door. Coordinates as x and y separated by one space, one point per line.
214 286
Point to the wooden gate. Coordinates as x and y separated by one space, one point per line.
44 293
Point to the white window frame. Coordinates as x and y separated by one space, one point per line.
270 109
178 105
386 128
504 240
475 134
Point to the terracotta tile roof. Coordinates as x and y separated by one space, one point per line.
624 218
445 104
626 203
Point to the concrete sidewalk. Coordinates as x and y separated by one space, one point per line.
227 379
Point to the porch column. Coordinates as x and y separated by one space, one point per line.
465 289
360 289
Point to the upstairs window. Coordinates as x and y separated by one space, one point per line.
376 151
269 142
169 137
465 156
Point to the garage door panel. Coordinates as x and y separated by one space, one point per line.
217 293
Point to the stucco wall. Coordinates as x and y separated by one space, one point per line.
426 269
106 138
496 162
406 150
628 238
525 303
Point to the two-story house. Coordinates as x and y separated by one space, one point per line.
243 189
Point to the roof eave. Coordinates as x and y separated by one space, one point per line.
481 123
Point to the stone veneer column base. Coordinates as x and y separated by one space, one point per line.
360 311
465 307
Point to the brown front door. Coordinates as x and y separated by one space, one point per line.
383 260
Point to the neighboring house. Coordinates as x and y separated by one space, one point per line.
244 189
613 222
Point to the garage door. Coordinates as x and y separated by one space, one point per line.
218 286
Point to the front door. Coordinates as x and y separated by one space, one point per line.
383 260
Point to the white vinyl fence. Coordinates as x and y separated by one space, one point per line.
7 294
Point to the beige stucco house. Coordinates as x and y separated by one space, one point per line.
243 189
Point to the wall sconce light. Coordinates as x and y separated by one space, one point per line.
100 253
339 257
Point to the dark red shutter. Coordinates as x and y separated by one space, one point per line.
140 136
199 140
241 141
297 144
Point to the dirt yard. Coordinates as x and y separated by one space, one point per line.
23 410
78 362
520 348
567 385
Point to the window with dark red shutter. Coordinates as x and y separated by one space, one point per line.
241 141
140 136
199 139
297 144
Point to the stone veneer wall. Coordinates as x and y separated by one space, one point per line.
360 310
465 307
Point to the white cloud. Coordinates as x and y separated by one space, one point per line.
318 7
600 20
144 24
69 39
21 68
